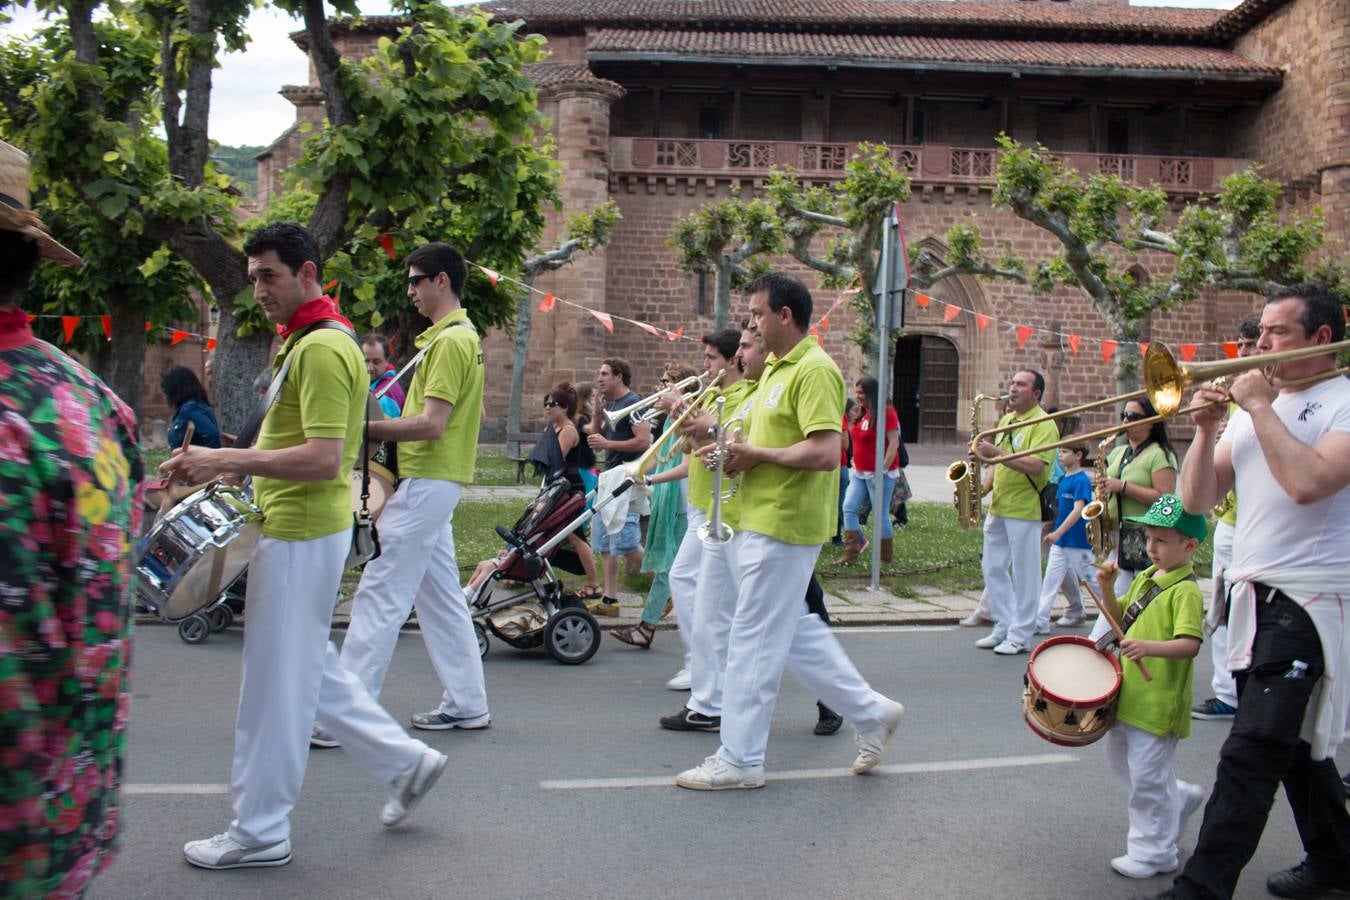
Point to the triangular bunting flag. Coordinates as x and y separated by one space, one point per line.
68 325
982 321
1230 349
148 326
921 300
31 318
1108 350
546 305
493 278
210 344
330 285
387 242
1187 352
1075 341
107 326
178 337
825 322
1023 335
649 328
603 319
1143 347
675 335
951 313
816 331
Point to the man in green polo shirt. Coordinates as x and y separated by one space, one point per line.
291 671
788 466
437 441
1012 529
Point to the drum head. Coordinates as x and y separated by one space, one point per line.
1071 670
216 570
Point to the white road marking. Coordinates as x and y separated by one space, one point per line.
842 629
150 789
955 765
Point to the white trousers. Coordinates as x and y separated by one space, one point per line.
1063 568
416 568
1225 688
683 576
1012 544
1142 762
713 610
291 673
771 628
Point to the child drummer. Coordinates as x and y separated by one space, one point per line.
1161 615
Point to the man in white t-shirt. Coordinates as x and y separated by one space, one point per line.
1287 452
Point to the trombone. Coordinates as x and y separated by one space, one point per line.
645 409
638 468
1165 381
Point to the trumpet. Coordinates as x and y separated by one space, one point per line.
964 474
715 532
638 468
645 409
1165 381
1100 526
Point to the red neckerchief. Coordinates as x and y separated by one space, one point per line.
15 331
311 312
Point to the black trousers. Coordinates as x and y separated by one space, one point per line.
1263 750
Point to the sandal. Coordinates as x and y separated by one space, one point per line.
591 592
639 635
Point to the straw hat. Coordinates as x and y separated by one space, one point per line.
14 212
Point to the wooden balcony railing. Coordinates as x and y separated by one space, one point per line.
927 163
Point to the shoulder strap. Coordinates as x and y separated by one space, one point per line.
412 363
254 424
1138 606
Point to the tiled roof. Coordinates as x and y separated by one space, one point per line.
875 49
549 74
891 15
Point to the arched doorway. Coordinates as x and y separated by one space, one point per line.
925 379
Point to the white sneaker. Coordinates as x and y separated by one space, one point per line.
1132 868
975 620
1192 798
224 852
320 738
679 681
1067 621
716 774
990 641
1043 629
408 789
1009 648
872 744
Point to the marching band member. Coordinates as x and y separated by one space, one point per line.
438 440
788 465
1287 452
291 671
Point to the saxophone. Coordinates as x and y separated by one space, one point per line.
964 474
1101 530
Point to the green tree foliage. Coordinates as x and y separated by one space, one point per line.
240 165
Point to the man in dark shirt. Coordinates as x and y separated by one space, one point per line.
622 443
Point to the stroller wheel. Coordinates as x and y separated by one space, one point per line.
571 636
481 633
194 629
220 618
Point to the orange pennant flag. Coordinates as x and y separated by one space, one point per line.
825 323
546 305
1108 350
68 325
982 321
1230 349
648 327
921 300
387 242
330 285
675 335
493 278
1143 347
107 326
1023 335
604 320
178 337
816 331
1075 341
210 344
951 313
1188 352
31 318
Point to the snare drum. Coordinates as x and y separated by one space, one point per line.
198 549
383 457
1071 691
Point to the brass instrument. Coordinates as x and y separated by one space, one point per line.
715 532
638 468
645 409
684 445
964 474
1101 528
1165 381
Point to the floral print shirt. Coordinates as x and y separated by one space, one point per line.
70 501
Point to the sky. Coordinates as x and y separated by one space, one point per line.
245 105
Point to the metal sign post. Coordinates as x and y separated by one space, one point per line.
892 281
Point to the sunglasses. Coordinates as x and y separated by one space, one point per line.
415 280
549 404
1132 416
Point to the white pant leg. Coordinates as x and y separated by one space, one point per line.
1024 540
447 628
1225 688
1079 570
997 559
684 577
289 670
818 660
1056 567
1143 763
409 529
713 611
771 578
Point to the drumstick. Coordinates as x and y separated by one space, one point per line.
167 504
1115 625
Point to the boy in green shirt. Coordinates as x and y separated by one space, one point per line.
1163 615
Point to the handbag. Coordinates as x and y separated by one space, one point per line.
1048 496
901 494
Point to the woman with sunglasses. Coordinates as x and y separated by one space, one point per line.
1138 471
561 451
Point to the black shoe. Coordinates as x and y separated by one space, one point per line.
1302 883
829 721
688 720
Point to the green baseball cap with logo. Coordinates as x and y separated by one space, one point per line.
1167 512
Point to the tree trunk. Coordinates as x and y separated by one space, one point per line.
722 294
524 321
120 362
237 362
1127 355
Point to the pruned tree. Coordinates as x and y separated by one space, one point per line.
720 238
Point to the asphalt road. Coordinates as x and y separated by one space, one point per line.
570 793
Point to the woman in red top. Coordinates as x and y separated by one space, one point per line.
863 436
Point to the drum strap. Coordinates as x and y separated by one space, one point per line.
1134 612
254 424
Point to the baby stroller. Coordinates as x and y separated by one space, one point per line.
521 601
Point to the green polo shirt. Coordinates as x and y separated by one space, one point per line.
451 371
700 477
324 396
1139 470
798 395
1161 706
1015 497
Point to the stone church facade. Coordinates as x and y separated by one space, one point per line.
667 105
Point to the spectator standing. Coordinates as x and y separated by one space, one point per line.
863 435
186 396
